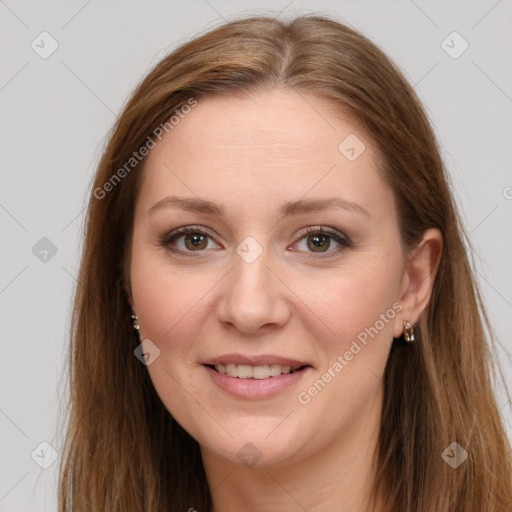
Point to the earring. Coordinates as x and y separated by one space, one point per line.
136 325
408 331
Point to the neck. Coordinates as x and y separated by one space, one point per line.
338 477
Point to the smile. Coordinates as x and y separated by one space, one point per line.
246 371
256 382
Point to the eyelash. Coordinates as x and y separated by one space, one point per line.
335 235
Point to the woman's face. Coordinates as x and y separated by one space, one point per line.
292 258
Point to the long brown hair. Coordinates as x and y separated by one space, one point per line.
124 451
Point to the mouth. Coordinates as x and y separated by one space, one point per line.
259 372
255 377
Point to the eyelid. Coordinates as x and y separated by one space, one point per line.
339 237
326 230
175 233
166 240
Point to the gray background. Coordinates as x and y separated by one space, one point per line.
55 114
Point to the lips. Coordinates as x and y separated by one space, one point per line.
256 382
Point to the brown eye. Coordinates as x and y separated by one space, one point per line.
318 243
195 241
189 239
322 241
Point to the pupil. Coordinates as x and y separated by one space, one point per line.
195 240
320 242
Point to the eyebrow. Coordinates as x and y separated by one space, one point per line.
195 204
316 205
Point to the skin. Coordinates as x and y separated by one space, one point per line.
255 155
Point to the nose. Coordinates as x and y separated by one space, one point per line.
252 298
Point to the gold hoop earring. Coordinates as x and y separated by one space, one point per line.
408 332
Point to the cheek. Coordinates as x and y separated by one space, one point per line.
168 301
356 311
359 311
170 306
349 304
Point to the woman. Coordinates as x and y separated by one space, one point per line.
275 309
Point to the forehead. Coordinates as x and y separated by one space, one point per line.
265 124
273 146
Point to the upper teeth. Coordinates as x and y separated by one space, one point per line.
245 371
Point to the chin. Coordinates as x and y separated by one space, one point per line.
257 446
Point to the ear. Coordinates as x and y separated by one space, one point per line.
418 279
